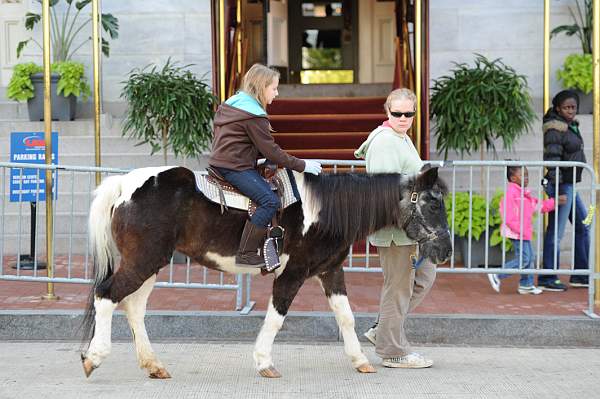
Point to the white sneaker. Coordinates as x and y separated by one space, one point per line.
494 282
529 290
371 335
410 361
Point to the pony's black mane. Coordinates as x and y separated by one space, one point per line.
353 205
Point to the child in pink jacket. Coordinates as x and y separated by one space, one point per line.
513 229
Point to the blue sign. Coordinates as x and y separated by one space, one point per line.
29 185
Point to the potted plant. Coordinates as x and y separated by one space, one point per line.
577 70
461 203
474 106
169 108
67 83
68 79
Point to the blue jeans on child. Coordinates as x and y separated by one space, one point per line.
252 185
527 262
582 236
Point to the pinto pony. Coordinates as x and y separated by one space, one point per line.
145 215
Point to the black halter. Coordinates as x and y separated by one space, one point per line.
431 235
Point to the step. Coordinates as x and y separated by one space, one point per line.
289 141
326 123
335 90
10 110
329 153
327 105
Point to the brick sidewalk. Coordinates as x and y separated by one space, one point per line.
451 294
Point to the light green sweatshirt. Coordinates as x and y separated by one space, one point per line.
385 151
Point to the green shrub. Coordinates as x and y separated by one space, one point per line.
66 25
20 87
169 107
582 27
577 73
475 106
478 218
72 80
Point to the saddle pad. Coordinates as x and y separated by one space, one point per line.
236 200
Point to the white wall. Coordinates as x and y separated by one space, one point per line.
510 29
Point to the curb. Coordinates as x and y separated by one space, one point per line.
483 330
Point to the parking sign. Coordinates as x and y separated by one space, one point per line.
28 185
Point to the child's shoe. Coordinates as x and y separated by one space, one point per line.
494 281
532 289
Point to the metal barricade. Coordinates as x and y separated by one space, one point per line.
74 188
488 180
76 185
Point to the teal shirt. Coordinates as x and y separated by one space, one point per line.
386 151
246 102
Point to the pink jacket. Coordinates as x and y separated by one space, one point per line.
511 225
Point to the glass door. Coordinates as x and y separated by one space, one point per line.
322 41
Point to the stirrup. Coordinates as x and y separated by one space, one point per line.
270 254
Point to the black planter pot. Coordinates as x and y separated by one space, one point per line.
586 102
478 252
63 108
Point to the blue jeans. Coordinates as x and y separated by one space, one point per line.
582 236
528 258
252 185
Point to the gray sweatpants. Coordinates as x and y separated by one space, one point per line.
403 289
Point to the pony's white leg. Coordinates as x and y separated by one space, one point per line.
100 346
264 342
345 320
135 308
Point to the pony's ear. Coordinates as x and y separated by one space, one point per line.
427 177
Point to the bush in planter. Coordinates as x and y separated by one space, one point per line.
68 83
582 26
169 107
20 87
64 30
475 106
577 70
577 73
462 202
65 27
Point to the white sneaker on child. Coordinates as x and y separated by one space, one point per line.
494 281
523 290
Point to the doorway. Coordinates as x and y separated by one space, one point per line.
322 41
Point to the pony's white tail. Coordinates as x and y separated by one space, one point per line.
104 249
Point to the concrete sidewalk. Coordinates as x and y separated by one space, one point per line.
225 370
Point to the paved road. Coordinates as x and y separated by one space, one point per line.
225 370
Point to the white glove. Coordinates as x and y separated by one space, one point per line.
311 166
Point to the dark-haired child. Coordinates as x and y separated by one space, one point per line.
517 208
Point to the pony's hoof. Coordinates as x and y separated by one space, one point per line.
270 372
161 374
88 366
366 368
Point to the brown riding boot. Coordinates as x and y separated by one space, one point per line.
252 239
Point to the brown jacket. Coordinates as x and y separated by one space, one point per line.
240 137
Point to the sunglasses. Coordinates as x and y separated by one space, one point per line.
401 114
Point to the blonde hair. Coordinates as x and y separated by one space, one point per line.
256 81
400 94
